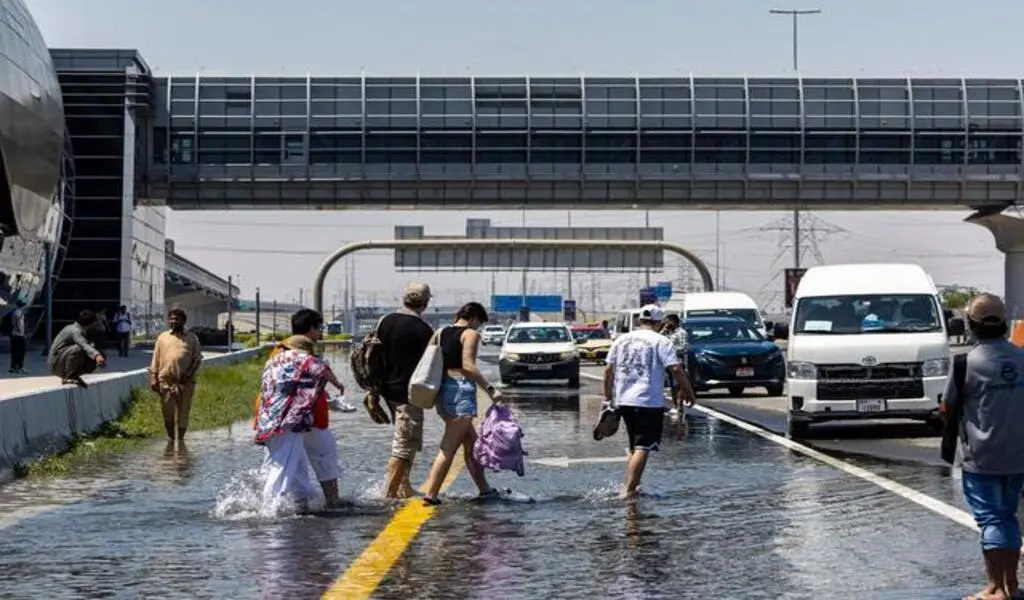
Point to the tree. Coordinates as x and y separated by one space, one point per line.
955 296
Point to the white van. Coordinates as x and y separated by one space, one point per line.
625 321
717 304
866 341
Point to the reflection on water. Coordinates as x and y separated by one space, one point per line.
293 559
177 462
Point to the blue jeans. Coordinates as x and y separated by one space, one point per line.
994 500
457 398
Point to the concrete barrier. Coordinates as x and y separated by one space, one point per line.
46 421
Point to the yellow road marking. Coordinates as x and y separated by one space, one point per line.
362 577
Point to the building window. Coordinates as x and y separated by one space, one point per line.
182 147
293 149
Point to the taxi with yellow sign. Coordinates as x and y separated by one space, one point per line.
592 342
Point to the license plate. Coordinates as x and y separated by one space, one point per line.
539 367
870 406
745 372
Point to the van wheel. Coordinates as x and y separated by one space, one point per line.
774 390
574 383
797 429
736 391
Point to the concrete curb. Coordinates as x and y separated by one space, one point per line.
46 421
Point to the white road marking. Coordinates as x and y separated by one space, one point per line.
937 506
565 461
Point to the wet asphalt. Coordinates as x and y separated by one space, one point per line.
724 514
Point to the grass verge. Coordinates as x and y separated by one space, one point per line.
224 395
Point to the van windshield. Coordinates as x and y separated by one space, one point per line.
868 313
750 315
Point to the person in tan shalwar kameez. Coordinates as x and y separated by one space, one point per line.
177 356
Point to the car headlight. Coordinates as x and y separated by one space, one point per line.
802 370
935 367
511 357
570 355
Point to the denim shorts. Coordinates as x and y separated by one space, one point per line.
994 500
457 398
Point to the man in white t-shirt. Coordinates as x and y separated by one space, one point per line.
635 380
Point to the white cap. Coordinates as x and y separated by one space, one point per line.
652 312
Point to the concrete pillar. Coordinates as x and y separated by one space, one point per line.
1008 232
202 310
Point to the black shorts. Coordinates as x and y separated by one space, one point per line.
643 426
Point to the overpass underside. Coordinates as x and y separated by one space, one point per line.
203 307
218 188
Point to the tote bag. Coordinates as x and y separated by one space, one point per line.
425 382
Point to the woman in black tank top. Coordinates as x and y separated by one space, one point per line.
456 401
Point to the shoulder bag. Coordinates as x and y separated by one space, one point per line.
951 430
425 382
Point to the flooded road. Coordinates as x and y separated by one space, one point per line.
725 513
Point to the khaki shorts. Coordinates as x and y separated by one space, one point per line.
408 438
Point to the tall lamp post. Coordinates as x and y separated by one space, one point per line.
796 14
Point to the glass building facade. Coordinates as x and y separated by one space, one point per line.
216 138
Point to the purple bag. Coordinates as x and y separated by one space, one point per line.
500 446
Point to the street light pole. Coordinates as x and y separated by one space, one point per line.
796 14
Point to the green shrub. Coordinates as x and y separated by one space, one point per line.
224 395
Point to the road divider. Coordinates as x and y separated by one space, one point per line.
45 422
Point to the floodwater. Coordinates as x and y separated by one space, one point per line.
724 514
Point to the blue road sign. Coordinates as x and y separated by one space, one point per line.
647 296
569 310
663 291
538 304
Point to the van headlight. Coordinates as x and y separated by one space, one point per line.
570 355
935 367
509 356
802 370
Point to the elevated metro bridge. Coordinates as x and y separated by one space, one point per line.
584 142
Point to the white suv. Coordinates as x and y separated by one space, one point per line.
492 334
542 351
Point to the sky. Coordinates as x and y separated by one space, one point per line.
949 38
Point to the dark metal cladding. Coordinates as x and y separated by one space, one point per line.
608 142
31 127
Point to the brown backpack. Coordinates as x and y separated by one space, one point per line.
369 367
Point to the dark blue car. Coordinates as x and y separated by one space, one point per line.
725 352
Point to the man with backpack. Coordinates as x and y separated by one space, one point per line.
983 407
13 326
389 359
123 329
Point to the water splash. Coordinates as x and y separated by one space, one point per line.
242 499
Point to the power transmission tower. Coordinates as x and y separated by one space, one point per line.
812 232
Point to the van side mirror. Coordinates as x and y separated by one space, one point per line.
780 331
955 327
